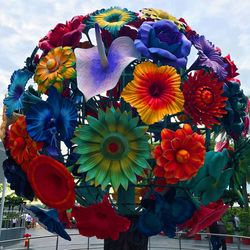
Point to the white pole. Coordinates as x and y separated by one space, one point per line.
2 205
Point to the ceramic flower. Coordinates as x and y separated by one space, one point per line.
111 19
22 148
46 177
209 56
54 68
204 97
52 120
18 80
112 148
162 41
96 72
154 92
180 154
17 179
68 34
100 220
231 68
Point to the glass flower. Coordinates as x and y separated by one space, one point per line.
16 89
98 72
112 148
53 119
182 154
54 68
48 219
52 182
22 148
17 179
154 92
204 98
111 19
100 220
209 56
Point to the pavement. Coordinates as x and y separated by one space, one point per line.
80 242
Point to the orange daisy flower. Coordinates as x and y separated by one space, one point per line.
22 148
180 154
203 98
154 92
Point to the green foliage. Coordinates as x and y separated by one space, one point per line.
244 216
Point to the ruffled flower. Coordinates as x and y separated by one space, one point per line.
111 19
154 92
112 148
22 148
52 182
16 89
100 220
204 98
54 68
68 34
180 154
162 41
209 56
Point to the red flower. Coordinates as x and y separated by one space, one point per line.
231 68
22 148
203 98
51 182
204 217
100 220
180 154
68 34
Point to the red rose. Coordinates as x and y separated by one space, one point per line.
68 34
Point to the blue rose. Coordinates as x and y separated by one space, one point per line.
162 41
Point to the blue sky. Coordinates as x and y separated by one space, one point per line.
226 23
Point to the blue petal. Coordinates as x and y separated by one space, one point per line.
48 218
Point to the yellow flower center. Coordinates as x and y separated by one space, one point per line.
51 64
182 156
207 96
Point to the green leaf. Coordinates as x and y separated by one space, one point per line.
204 184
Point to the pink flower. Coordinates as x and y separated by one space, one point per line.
68 34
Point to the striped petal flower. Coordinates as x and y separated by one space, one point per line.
154 92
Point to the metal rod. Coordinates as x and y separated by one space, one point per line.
57 240
2 204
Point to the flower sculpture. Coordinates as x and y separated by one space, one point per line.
123 127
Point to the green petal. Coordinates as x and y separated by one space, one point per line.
87 148
97 126
106 181
139 145
87 134
139 161
88 162
91 174
104 166
110 121
137 133
123 123
128 172
116 174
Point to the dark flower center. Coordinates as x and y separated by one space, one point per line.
113 147
155 90
113 18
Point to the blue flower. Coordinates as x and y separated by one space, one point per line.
52 120
16 89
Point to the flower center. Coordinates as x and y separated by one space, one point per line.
113 18
207 96
51 64
113 147
182 156
155 90
20 142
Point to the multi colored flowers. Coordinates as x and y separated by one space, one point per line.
54 68
180 154
46 177
204 99
154 92
162 41
112 148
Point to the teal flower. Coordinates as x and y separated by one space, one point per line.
112 149
111 19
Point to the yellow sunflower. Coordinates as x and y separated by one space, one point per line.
54 68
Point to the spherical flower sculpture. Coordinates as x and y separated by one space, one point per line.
105 119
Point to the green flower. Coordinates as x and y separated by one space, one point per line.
111 19
112 149
213 178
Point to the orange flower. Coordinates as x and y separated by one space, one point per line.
180 154
203 98
154 92
22 148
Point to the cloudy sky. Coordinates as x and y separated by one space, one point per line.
23 22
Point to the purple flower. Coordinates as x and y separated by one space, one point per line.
162 41
209 56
